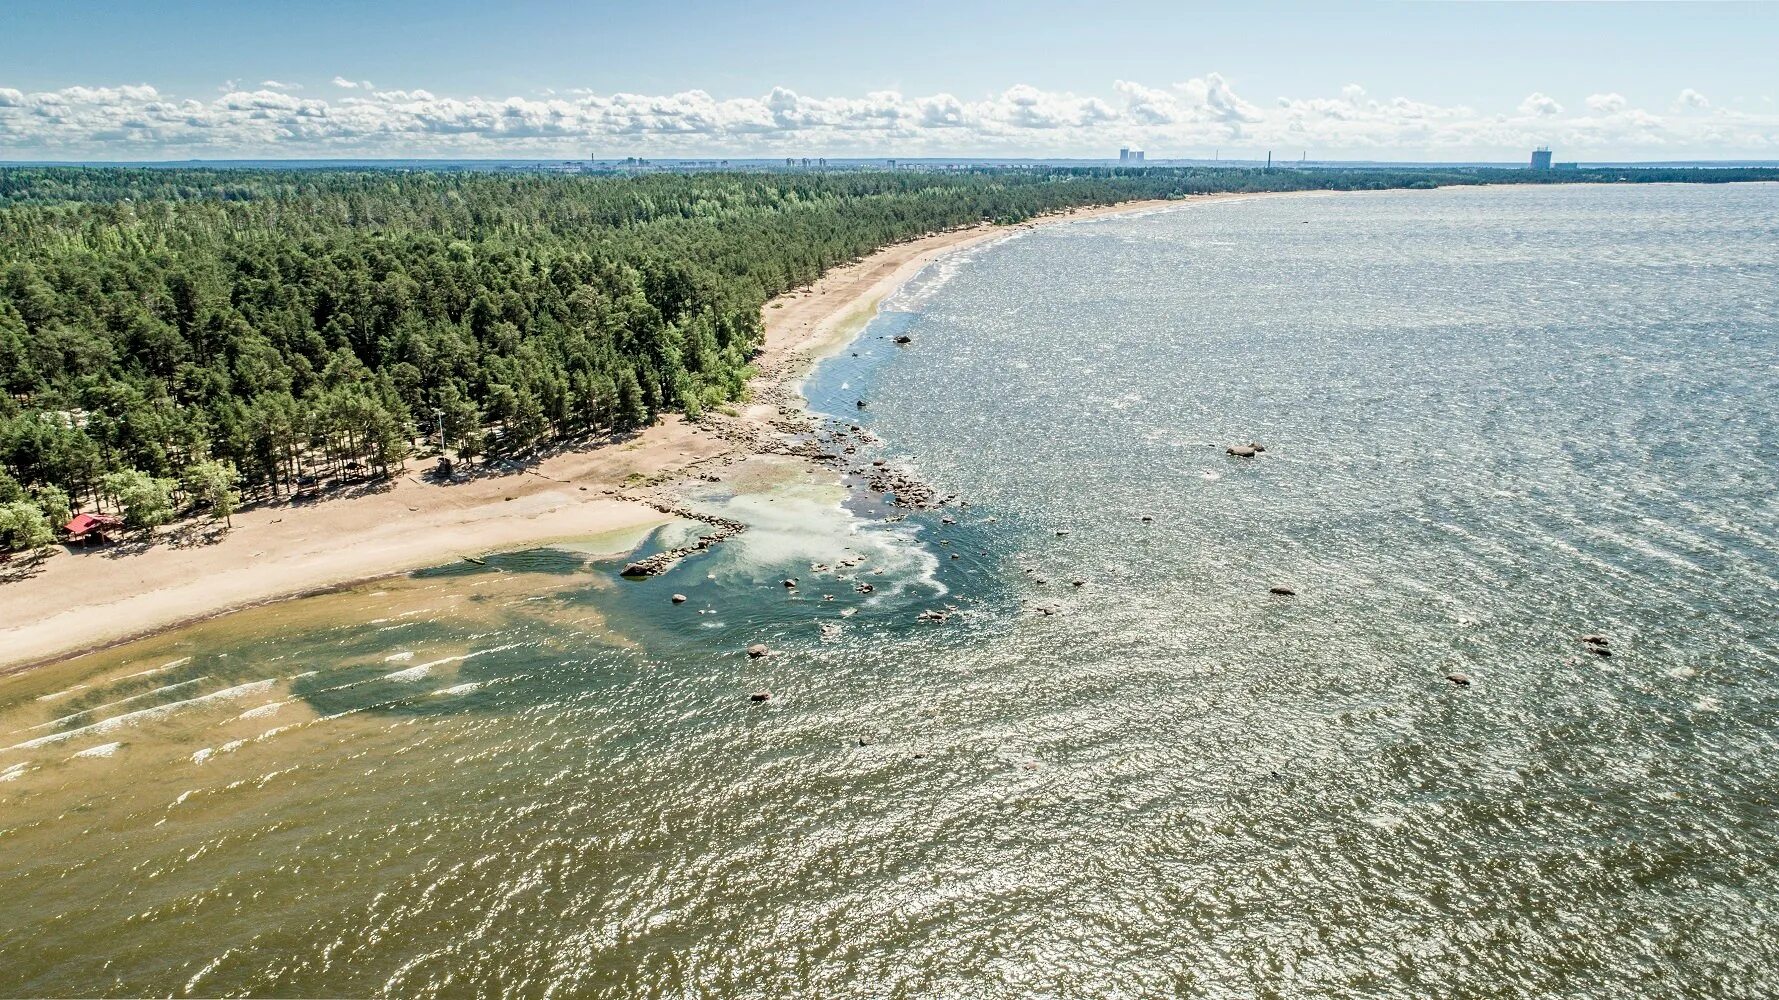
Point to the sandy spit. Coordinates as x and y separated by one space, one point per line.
80 601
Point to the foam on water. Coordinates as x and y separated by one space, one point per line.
1177 783
146 714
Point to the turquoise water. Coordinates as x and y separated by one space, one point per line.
1495 420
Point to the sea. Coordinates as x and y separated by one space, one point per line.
1127 716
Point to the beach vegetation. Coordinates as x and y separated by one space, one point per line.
312 328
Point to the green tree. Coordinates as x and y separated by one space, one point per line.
633 407
53 501
527 423
147 501
387 437
213 482
23 526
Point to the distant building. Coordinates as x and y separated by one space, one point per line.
1124 155
1128 155
1541 158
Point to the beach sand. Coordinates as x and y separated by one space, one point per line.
82 600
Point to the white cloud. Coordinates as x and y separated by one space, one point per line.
1692 100
275 85
1190 118
1539 106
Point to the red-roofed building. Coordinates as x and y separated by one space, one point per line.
86 527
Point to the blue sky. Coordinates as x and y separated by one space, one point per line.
98 79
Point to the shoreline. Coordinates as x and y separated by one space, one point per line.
76 603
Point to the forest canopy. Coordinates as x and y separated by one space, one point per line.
298 324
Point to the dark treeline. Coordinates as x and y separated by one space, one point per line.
296 325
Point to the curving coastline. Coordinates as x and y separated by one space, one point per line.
75 603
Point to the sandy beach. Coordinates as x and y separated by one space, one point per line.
77 601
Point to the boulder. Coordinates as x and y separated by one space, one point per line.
1241 450
1459 679
790 583
757 650
679 598
903 338
759 696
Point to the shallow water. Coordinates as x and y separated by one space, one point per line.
1495 420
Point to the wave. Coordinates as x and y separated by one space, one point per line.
146 714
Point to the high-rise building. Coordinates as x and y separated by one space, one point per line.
1541 158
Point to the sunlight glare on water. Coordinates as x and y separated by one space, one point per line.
1495 420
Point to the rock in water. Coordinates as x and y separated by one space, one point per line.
1595 639
904 339
679 598
1284 592
1241 450
759 696
1459 679
758 650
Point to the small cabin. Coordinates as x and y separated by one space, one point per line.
88 528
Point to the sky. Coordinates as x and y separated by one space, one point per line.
527 79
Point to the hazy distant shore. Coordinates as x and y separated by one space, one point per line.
83 601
